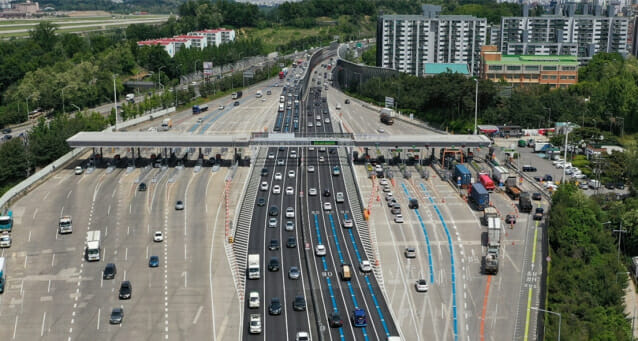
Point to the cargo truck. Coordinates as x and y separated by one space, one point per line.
542 147
511 187
487 182
92 247
65 225
197 109
253 266
490 260
236 95
489 213
462 175
6 222
387 116
500 174
479 196
167 124
525 202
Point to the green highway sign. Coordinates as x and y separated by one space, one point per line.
413 150
324 143
396 150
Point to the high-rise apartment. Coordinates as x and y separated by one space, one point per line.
406 42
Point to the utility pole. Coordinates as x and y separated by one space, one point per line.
115 102
620 231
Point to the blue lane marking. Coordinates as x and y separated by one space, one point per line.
325 268
449 241
354 298
425 232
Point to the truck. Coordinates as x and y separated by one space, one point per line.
525 202
130 98
511 187
92 246
490 259
594 184
387 116
462 175
167 124
236 95
479 196
198 109
487 182
542 147
500 174
6 222
489 213
65 225
3 274
253 266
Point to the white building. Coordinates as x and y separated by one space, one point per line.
407 42
216 37
191 40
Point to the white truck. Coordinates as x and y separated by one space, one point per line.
594 184
92 247
490 260
130 98
167 124
5 239
542 146
253 266
65 225
500 174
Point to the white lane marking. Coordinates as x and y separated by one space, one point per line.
185 274
44 317
99 312
49 287
52 260
46 195
199 311
126 254
124 275
25 261
108 211
210 274
15 327
62 211
35 212
29 238
69 194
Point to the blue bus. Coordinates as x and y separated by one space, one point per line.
6 222
2 274
359 318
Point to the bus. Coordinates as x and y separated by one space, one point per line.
3 271
6 222
359 318
487 182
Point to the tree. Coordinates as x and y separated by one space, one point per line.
44 35
13 161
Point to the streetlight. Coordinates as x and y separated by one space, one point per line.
196 61
159 75
560 318
562 180
475 105
115 101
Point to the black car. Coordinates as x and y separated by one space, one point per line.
264 171
273 211
413 204
536 196
292 242
275 306
109 271
529 169
299 304
548 177
274 245
261 202
538 178
610 185
236 103
620 185
510 219
326 192
6 131
335 319
126 289
142 187
273 264
538 214
117 315
347 101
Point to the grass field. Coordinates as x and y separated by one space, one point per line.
277 36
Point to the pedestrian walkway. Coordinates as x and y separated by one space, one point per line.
631 304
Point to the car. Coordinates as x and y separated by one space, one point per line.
264 186
387 189
321 159
413 204
264 172
392 202
347 223
339 198
620 185
538 179
380 130
580 176
389 196
126 290
273 264
548 177
109 271
141 187
294 272
510 219
117 315
327 206
583 185
299 303
200 120
538 214
274 245
274 308
276 189
338 107
312 191
291 173
290 212
347 101
610 185
326 121
272 222
335 320
280 162
293 152
271 155
292 242
311 169
261 202
537 196
179 205
322 149
410 252
273 211
290 225
255 324
236 103
268 92
365 266
220 107
290 190
278 176
320 250
78 170
336 171
6 131
153 261
158 236
310 125
528 168
398 219
253 299
302 336
326 192
421 285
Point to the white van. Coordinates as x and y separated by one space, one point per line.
282 99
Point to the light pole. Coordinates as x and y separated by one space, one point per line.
196 61
562 180
159 75
560 318
620 231
115 101
475 105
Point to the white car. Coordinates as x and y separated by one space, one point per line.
321 159
383 182
5 239
398 219
320 250
276 189
302 336
327 206
158 236
290 212
220 107
311 169
421 285
389 196
381 130
78 170
271 155
347 223
255 324
318 124
253 299
290 190
387 189
365 266
291 173
326 121
290 225
312 191
280 162
272 222
310 125
312 149
278 176
322 149
264 186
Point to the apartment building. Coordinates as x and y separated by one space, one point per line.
555 71
407 42
564 33
199 40
216 37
